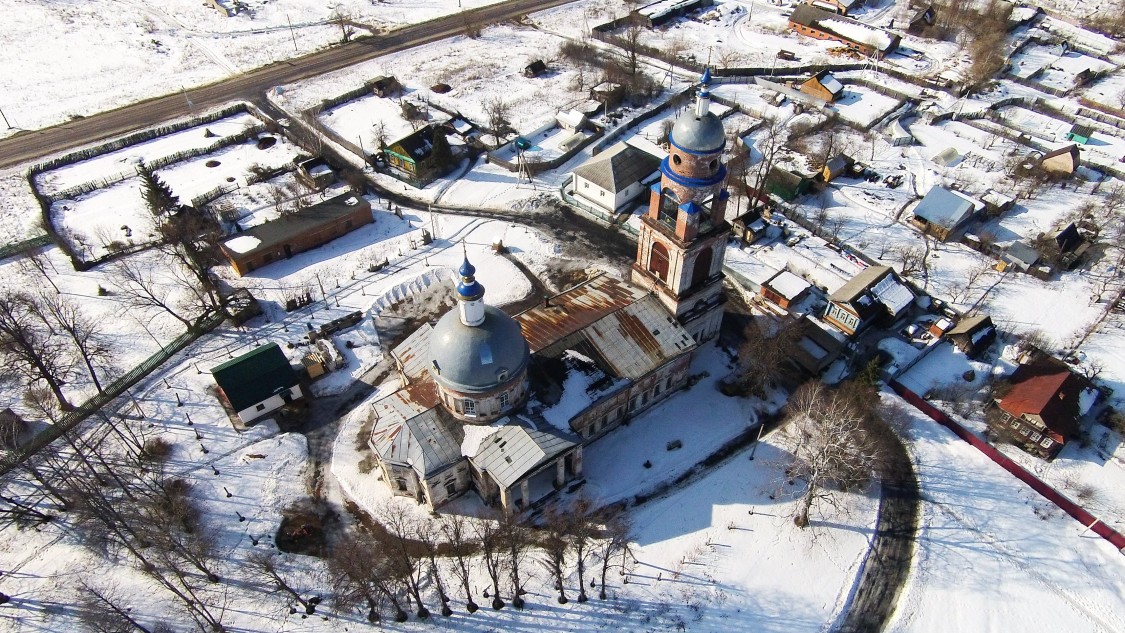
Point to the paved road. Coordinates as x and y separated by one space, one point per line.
30 145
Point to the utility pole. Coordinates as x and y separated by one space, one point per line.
5 117
190 105
291 32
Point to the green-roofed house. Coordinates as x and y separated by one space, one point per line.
258 382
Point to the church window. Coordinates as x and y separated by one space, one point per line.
676 160
701 270
504 400
658 261
401 484
451 487
713 165
470 406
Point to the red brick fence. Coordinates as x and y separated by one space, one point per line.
1036 484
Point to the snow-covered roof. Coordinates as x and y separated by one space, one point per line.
571 118
788 285
859 33
945 207
242 243
831 84
892 294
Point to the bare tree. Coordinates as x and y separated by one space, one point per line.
361 572
428 534
490 537
343 20
455 528
556 545
102 610
141 291
400 529
265 564
764 355
616 535
631 43
498 112
832 450
516 541
37 262
30 348
86 341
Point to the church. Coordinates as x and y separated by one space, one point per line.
504 405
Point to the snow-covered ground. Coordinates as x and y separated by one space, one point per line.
994 556
141 48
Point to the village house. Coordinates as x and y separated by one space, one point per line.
873 295
943 212
296 232
608 94
615 177
412 158
972 334
1063 161
660 12
823 86
828 25
1072 245
383 86
258 382
1020 256
1043 407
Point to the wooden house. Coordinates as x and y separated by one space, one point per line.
534 69
412 158
823 86
943 212
838 165
315 173
972 334
383 86
1043 407
873 295
785 289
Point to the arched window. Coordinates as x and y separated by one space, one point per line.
701 269
658 261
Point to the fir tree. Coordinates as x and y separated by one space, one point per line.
157 194
441 154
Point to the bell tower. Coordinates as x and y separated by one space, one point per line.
683 235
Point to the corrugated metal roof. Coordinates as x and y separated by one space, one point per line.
575 309
409 430
414 352
514 451
638 338
860 283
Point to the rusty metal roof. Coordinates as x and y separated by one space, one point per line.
413 353
512 452
638 338
575 309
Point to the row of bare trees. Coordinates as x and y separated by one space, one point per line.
388 567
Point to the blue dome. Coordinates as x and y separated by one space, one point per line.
706 78
470 290
467 269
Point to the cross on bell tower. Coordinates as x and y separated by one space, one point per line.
683 235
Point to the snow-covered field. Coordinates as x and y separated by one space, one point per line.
141 48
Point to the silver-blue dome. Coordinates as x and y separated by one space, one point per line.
478 357
702 135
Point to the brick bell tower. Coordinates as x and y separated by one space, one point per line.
683 235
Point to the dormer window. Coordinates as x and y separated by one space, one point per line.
502 375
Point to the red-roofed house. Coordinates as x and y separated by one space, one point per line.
1043 407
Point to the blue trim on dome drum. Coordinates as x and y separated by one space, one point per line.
666 170
470 291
